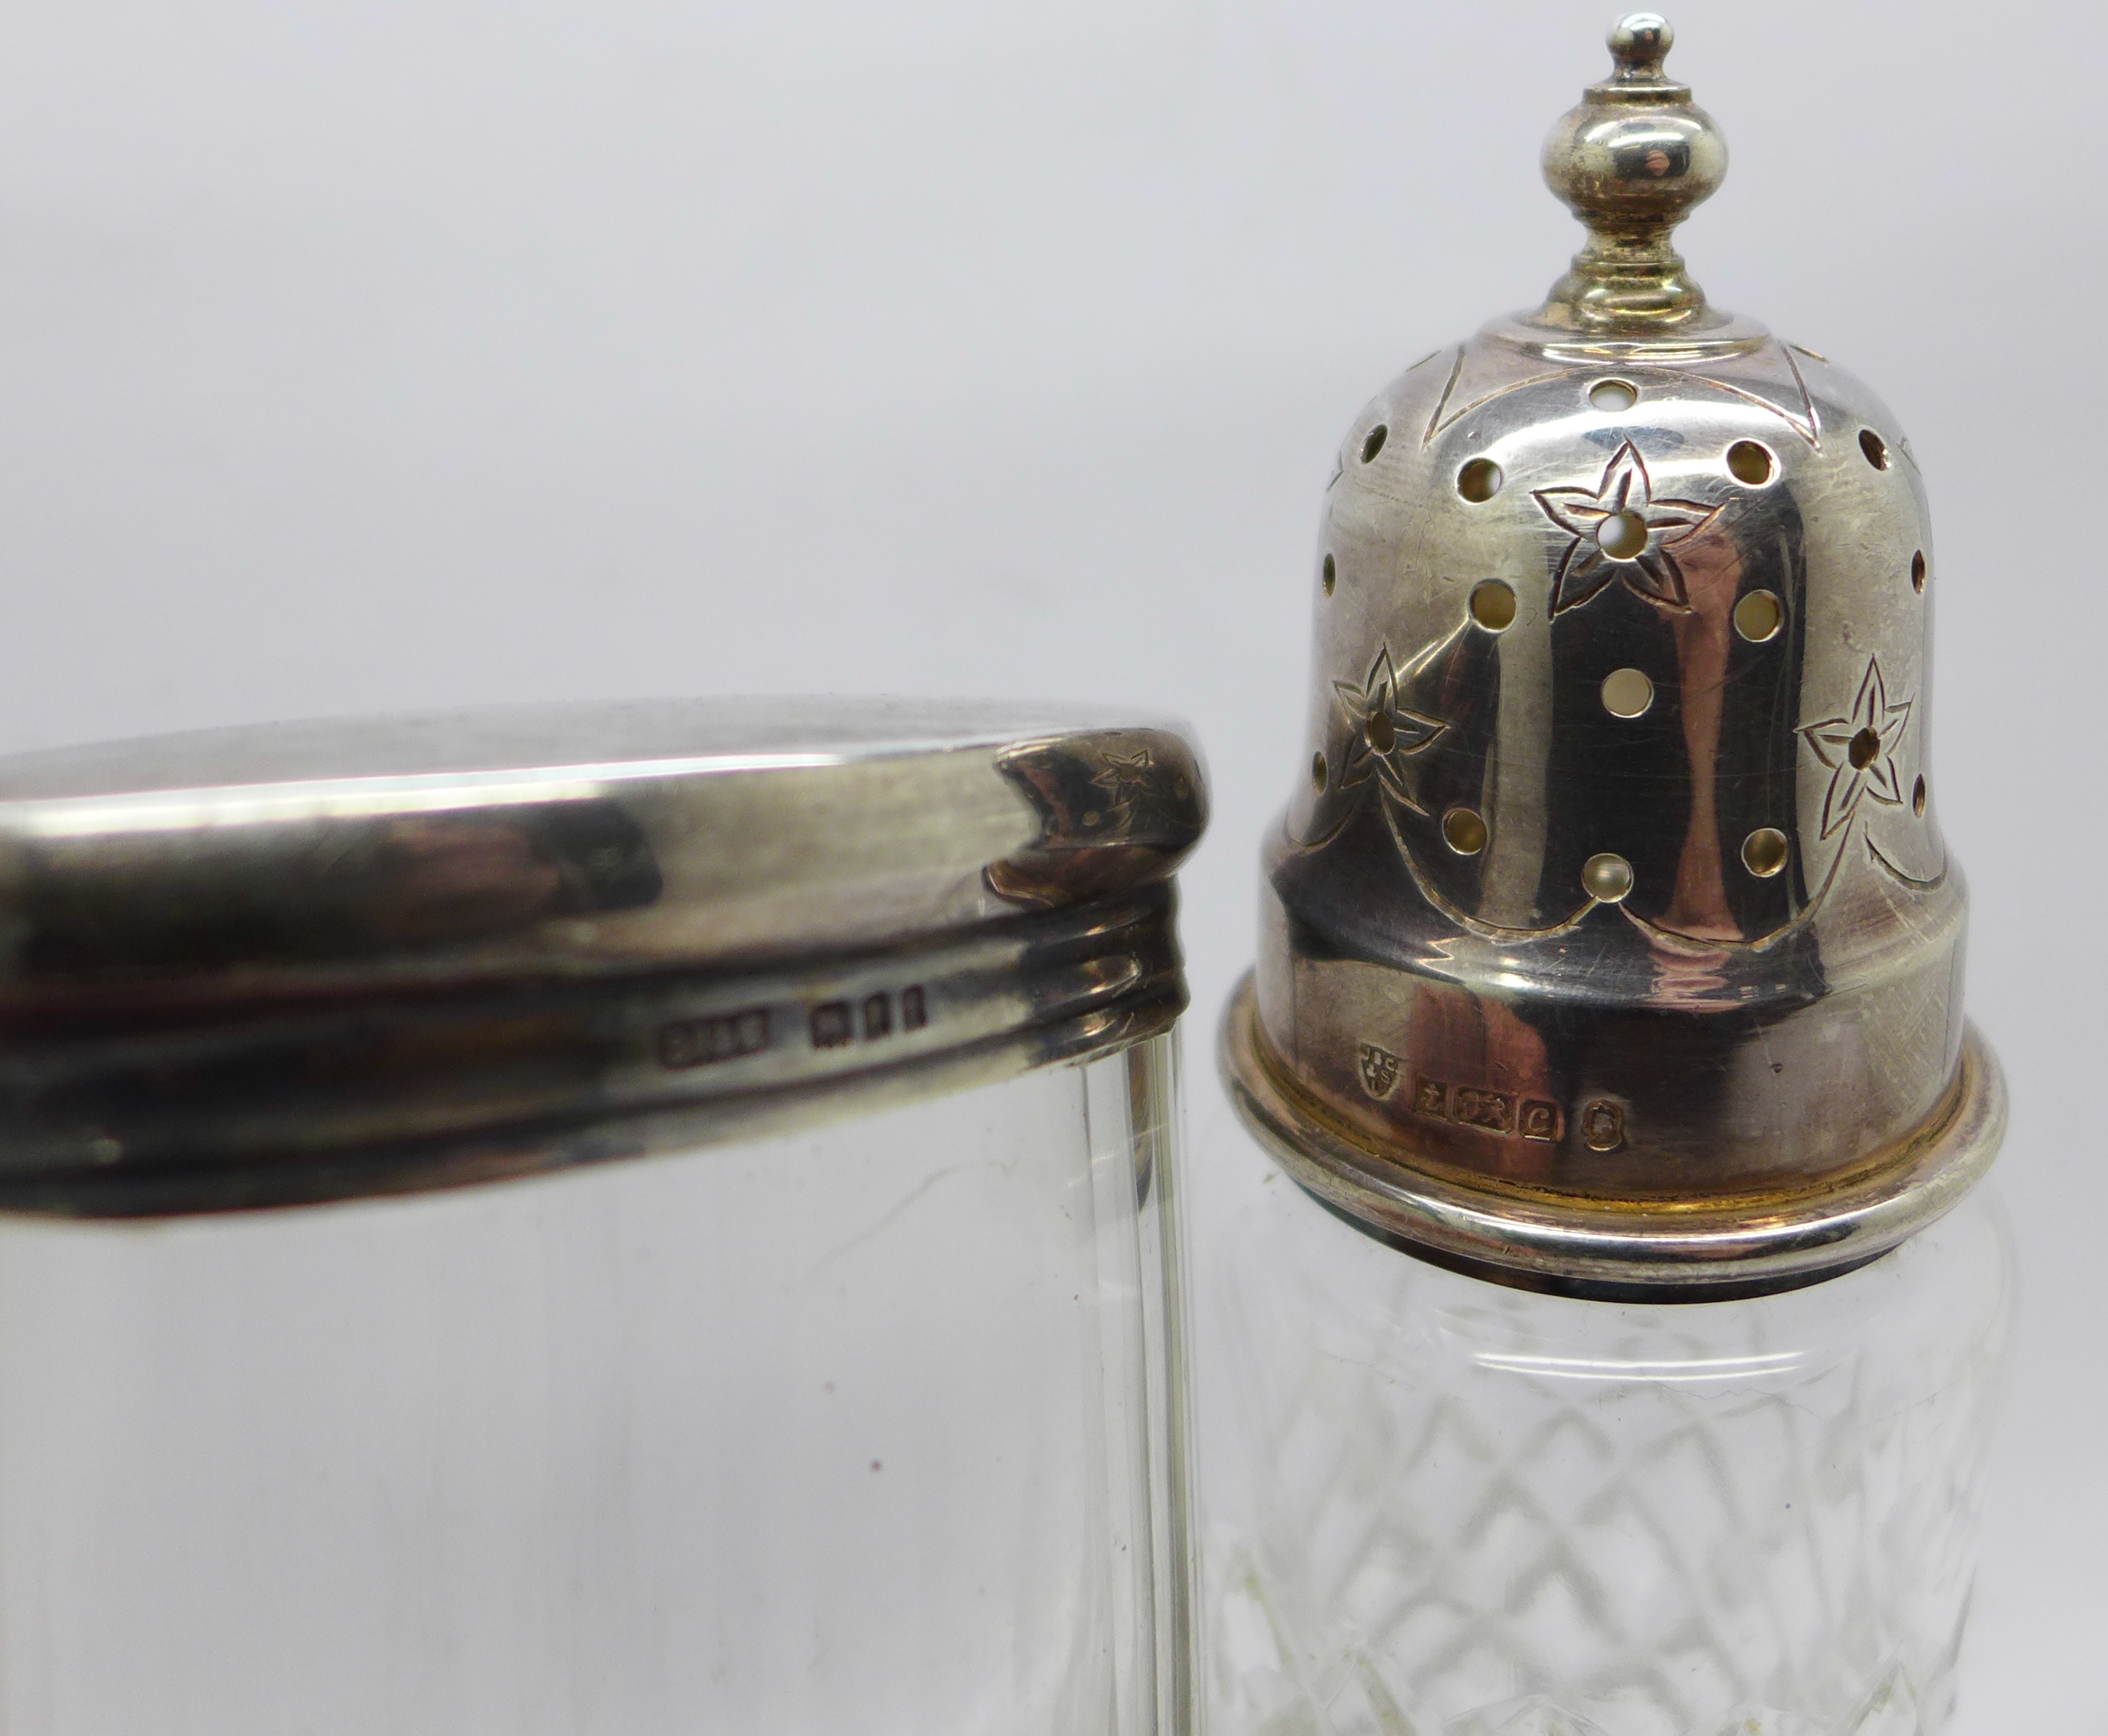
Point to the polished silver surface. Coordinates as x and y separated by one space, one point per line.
301 960
577 839
1616 883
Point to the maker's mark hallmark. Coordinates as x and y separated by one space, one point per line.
1378 1069
701 1043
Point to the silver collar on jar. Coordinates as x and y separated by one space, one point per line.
301 961
1610 937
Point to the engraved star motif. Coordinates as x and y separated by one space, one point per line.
1621 531
1129 782
1860 751
1382 733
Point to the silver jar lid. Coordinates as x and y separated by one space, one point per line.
305 961
1611 937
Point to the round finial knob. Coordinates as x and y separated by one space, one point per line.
1639 42
1630 162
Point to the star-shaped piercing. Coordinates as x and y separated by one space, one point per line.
1860 751
1382 734
1621 531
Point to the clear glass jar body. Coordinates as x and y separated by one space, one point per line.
873 1428
1438 1505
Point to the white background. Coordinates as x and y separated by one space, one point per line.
359 358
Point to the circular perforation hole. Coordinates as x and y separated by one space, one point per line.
1479 480
1623 536
1332 575
1492 605
1750 463
1463 832
1317 773
1607 877
1614 395
1627 693
1765 851
1373 443
1759 615
1876 449
1864 749
1918 572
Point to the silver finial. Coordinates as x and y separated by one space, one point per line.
1639 42
1631 161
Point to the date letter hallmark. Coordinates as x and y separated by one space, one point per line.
1539 1120
1379 1070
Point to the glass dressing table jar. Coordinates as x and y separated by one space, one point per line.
640 1219
1624 1362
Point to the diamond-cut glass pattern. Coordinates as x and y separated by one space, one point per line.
1440 1507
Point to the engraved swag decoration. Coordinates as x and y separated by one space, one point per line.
1619 530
